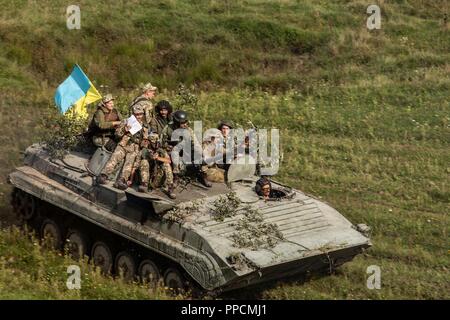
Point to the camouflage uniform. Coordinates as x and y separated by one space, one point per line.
128 149
166 136
161 171
214 173
145 103
229 144
158 123
102 127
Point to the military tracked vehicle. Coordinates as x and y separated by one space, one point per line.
198 240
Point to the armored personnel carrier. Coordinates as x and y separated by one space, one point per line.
203 239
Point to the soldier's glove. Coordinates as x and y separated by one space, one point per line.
110 145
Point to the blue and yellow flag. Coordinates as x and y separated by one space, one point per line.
77 91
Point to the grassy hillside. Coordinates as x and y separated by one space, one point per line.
27 271
364 115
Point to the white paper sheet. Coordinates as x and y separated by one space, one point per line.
134 124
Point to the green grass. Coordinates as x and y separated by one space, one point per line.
364 116
27 271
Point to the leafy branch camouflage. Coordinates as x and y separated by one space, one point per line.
253 232
185 99
226 206
63 135
183 210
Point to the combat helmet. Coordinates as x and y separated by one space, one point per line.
180 116
107 98
227 123
163 104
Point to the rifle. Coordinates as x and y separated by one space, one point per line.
260 162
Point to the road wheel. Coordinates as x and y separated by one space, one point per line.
125 266
174 280
76 244
24 204
149 272
102 256
51 234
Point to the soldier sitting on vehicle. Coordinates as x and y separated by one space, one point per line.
127 149
219 149
148 92
104 122
229 143
162 118
155 160
211 146
180 121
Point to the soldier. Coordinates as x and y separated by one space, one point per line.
128 149
104 122
210 145
148 92
228 143
225 126
155 159
180 121
217 147
263 188
162 118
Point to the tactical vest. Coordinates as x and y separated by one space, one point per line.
113 115
161 123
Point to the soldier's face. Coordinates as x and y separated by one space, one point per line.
163 113
225 130
139 116
183 125
110 105
266 191
150 94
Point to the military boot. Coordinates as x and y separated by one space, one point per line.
203 180
102 179
170 192
176 179
143 187
121 184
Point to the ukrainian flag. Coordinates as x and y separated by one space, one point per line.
77 91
